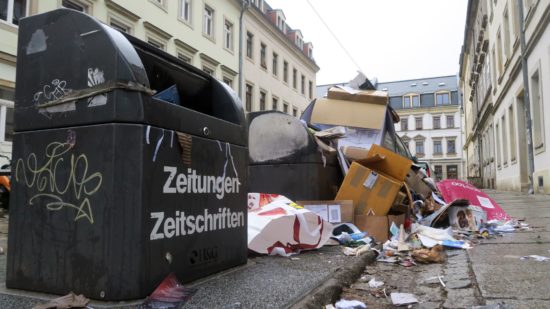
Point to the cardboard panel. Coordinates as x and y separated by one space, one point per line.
371 192
364 96
348 113
331 210
387 162
377 226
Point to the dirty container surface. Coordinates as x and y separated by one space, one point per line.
128 164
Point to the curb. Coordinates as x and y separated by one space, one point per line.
329 291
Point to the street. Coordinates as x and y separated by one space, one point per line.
491 273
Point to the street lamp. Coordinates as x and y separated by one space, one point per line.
245 4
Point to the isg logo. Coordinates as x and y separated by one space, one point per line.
203 255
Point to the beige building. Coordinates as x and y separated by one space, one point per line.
279 71
491 78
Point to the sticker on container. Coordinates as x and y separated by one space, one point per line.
334 214
371 180
485 202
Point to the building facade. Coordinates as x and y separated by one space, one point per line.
205 33
279 67
430 121
491 78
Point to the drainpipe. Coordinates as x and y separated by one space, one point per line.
244 6
528 122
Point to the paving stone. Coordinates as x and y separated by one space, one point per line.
429 305
458 284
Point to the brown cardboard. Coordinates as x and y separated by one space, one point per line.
415 183
354 153
371 192
365 96
348 113
378 226
387 162
345 208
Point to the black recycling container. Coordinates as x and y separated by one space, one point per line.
128 164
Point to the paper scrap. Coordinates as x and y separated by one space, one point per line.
375 284
538 258
400 299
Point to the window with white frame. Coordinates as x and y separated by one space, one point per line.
13 10
156 43
504 140
263 55
537 110
263 96
76 5
411 100
436 122
512 129
7 96
450 121
443 98
404 124
419 147
120 26
451 146
249 45
208 28
274 103
228 81
275 64
185 10
438 148
228 35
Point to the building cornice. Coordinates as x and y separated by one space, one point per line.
111 4
158 31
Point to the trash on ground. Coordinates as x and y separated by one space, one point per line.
401 299
70 300
538 258
357 250
169 294
426 256
375 284
350 304
457 244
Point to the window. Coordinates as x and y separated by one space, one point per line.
504 140
8 133
208 70
285 107
411 100
263 61
295 78
7 96
275 64
274 103
438 172
443 99
437 122
294 112
228 81
184 58
498 150
512 128
263 95
185 10
310 89
451 146
450 121
119 26
419 147
418 123
228 35
438 148
155 43
208 27
500 70
537 111
404 124
303 79
75 5
249 45
493 67
452 172
506 41
285 71
248 97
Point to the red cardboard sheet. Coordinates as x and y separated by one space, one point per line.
452 189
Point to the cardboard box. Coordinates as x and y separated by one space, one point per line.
354 153
333 211
416 183
387 162
364 96
371 192
378 226
349 113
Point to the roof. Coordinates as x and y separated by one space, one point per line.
420 85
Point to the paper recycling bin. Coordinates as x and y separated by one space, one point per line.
285 159
128 164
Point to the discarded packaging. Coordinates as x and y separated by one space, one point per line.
456 244
375 284
350 304
469 218
282 227
401 299
169 294
538 258
356 251
70 300
427 256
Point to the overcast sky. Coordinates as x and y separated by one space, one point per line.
389 39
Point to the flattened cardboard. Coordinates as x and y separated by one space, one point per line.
364 96
378 226
329 207
371 192
354 153
415 182
387 162
348 113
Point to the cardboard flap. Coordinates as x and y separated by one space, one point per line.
387 162
348 113
364 96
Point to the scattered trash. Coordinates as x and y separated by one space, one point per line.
456 244
169 294
426 256
357 250
350 304
70 300
375 284
538 258
401 299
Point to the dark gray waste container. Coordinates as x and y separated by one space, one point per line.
114 187
285 159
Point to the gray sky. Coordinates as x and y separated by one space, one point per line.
389 39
